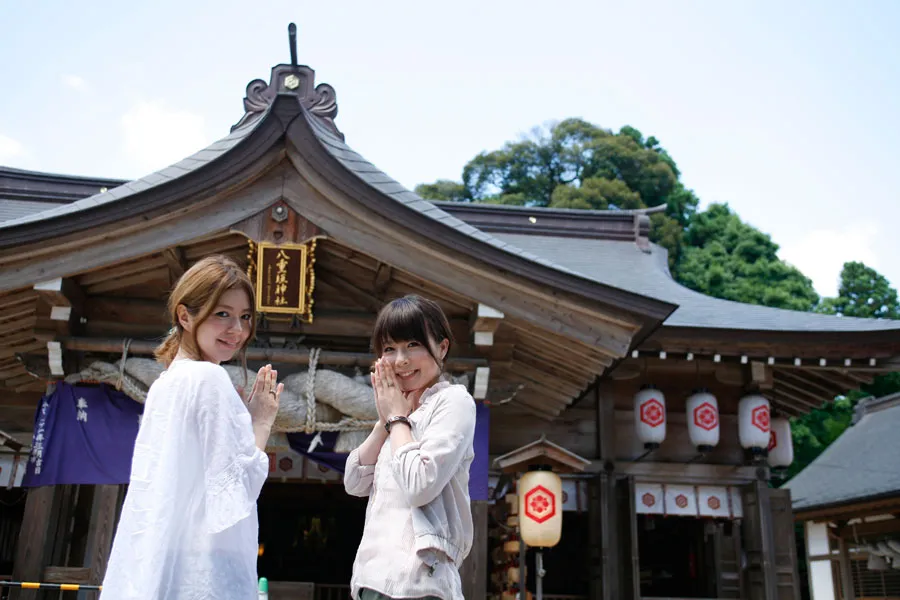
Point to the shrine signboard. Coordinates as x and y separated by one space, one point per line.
284 279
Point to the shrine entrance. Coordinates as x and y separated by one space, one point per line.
676 557
309 532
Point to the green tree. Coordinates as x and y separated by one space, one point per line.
864 292
575 164
443 189
727 258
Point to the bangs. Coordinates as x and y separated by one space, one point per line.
401 320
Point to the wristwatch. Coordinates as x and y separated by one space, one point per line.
398 419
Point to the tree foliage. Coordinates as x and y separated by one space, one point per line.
575 164
864 292
727 258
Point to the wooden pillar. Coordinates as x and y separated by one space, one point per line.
40 526
473 572
603 565
846 572
103 525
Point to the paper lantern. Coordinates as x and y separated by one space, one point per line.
650 416
540 507
781 446
702 412
753 423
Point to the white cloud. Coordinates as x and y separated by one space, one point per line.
157 136
75 82
821 253
10 149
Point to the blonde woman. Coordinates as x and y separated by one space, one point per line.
189 527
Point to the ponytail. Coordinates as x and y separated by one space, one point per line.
166 351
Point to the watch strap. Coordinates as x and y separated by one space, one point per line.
398 419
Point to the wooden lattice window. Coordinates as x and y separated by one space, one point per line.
874 584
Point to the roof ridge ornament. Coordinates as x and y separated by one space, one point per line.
291 79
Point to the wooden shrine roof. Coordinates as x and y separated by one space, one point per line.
860 465
580 289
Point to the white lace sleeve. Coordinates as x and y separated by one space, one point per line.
234 469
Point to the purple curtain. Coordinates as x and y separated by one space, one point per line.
83 435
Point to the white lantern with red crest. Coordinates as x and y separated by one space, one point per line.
702 412
650 416
754 423
781 445
540 507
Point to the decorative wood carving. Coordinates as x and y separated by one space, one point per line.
300 81
278 224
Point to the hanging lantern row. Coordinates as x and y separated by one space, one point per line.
758 431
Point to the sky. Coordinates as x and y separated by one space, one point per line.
787 111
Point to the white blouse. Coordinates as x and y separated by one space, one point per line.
189 528
418 520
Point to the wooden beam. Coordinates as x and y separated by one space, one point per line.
159 274
886 527
35 543
484 322
11 351
546 363
761 374
19 380
779 391
120 270
803 392
80 575
17 312
359 296
528 334
547 380
788 409
102 528
12 370
861 378
799 378
17 325
834 378
17 298
474 570
296 357
176 262
382 279
60 292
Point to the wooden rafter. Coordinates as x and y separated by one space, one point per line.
802 400
801 391
834 378
803 380
176 262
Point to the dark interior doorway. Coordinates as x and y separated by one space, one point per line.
309 532
677 557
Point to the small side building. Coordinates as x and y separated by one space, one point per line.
848 500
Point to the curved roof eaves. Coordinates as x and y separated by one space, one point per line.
182 167
384 183
623 265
